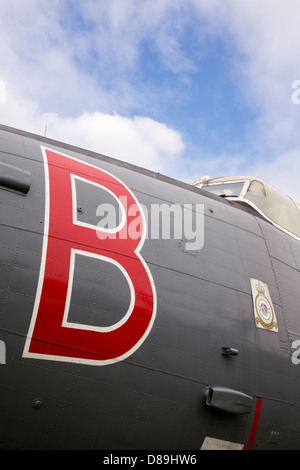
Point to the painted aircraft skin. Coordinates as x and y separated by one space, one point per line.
110 341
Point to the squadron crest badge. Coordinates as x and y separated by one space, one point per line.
264 312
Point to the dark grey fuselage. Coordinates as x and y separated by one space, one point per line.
156 397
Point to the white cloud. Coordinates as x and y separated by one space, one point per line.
264 37
48 80
73 78
138 140
71 64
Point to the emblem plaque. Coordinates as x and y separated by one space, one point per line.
264 312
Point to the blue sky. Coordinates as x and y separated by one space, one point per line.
183 87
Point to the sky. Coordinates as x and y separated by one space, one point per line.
184 87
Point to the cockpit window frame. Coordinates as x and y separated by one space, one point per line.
242 197
222 183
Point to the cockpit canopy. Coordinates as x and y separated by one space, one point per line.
275 206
